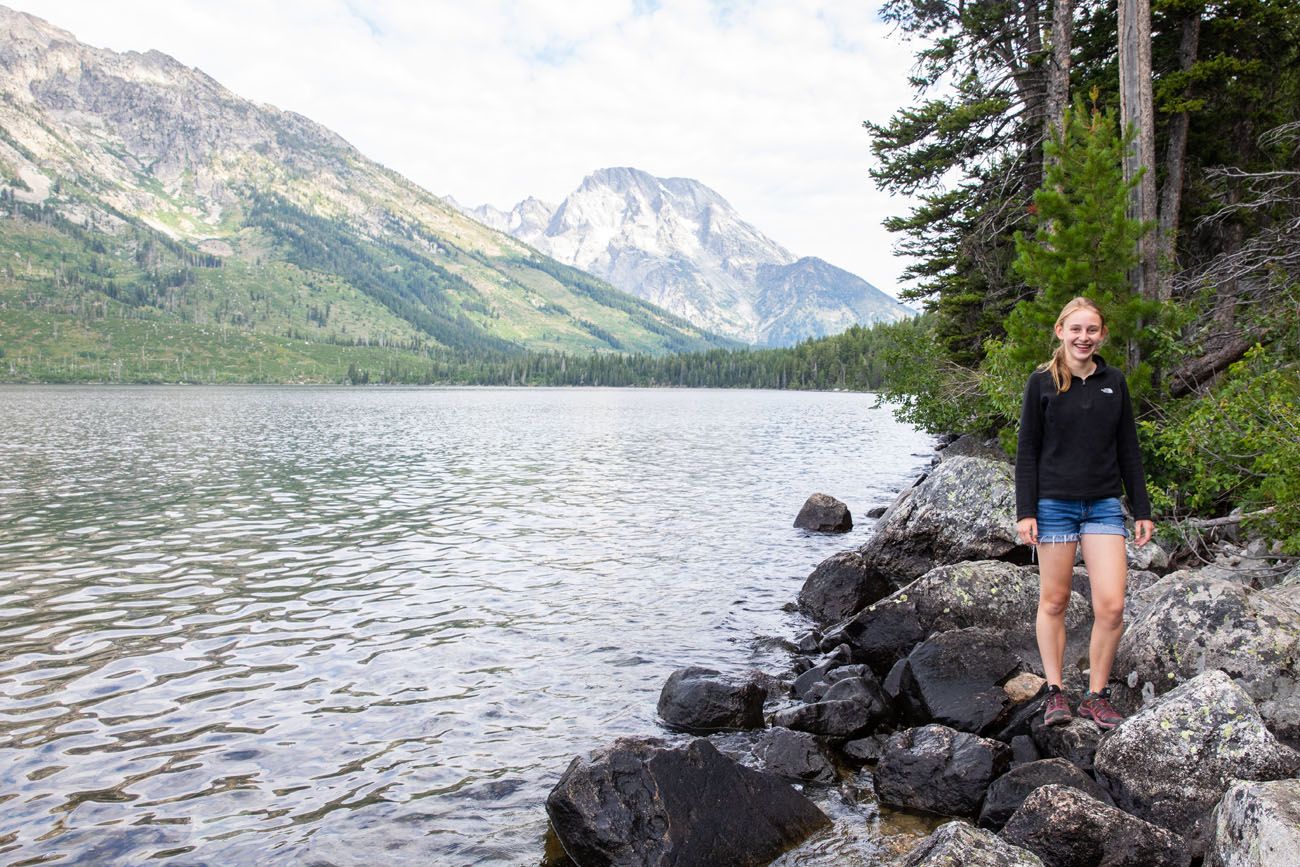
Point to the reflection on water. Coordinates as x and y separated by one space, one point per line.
276 625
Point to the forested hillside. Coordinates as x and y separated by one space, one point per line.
1023 206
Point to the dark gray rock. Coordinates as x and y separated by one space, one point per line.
1256 825
1009 791
877 511
963 510
1023 751
958 844
824 514
1076 741
1067 828
849 708
701 700
808 642
794 756
865 750
639 802
955 679
1192 624
881 634
840 586
1171 762
970 446
939 770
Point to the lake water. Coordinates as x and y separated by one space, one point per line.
347 626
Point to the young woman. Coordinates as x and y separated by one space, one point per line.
1078 443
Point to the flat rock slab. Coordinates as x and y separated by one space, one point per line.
701 700
1256 825
640 802
965 509
1193 623
1067 828
958 844
823 513
939 770
1171 762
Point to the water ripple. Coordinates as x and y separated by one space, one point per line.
279 625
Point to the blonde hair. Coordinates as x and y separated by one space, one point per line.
1056 364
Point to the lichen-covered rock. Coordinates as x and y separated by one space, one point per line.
955 679
1256 825
823 513
1192 623
795 756
1171 762
1009 791
1148 557
702 700
1068 828
640 802
965 509
958 844
988 593
939 770
840 586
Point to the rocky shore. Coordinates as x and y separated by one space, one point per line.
918 686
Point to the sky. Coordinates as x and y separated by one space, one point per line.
492 101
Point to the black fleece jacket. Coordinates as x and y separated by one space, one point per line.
1079 444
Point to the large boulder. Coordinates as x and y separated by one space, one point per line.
965 509
989 593
840 586
958 844
701 700
823 513
1009 791
956 678
1171 762
1192 623
1068 828
640 802
939 770
1256 825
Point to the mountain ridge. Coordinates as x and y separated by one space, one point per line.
143 189
679 244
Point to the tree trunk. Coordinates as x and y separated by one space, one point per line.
1058 65
1033 92
1137 111
1172 195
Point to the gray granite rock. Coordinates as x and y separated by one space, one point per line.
823 513
1256 825
1009 791
702 700
1193 623
794 756
1171 762
840 586
958 844
939 770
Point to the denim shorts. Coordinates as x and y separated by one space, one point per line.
1067 520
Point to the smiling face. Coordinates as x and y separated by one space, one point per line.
1081 333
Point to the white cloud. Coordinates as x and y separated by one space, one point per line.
496 100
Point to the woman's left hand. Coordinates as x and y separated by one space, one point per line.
1144 530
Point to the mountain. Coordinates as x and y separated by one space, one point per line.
145 200
679 244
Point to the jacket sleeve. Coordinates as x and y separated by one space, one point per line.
1130 460
1029 443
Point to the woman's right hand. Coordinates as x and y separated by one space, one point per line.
1027 529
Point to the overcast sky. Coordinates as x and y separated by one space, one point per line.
495 100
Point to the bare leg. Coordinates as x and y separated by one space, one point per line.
1107 563
1055 570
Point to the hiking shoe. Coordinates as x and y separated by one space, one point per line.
1096 707
1057 710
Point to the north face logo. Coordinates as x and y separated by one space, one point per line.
1108 391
